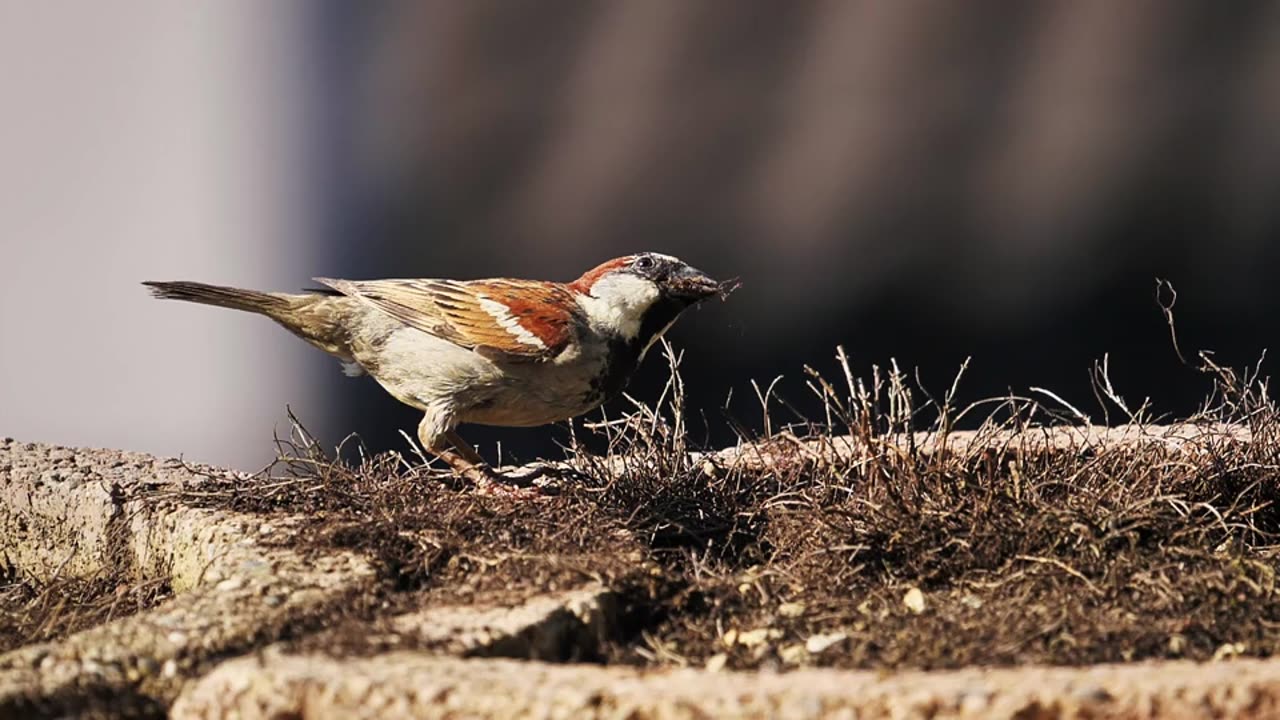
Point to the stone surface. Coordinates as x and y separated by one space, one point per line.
785 449
558 627
234 591
238 586
406 685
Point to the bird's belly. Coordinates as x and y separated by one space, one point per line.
427 372
536 394
513 407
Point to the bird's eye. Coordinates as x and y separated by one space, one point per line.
645 263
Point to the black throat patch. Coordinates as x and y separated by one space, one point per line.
624 355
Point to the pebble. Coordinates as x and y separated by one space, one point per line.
791 609
794 654
758 636
229 584
914 600
818 643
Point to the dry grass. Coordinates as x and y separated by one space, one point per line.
32 611
858 540
848 541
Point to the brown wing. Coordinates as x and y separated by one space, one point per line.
523 318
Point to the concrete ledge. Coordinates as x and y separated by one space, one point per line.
86 513
1182 438
85 518
406 685
558 627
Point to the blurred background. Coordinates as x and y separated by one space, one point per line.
915 180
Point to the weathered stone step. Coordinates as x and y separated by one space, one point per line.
408 685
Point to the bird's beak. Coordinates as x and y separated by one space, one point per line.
695 285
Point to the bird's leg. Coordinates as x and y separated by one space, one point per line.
461 466
493 480
434 434
464 448
437 436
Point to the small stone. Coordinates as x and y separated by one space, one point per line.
170 668
759 636
716 662
794 654
229 584
1229 650
819 643
914 600
730 638
791 609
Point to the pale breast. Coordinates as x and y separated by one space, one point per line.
424 371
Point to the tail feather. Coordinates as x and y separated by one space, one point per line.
228 297
313 317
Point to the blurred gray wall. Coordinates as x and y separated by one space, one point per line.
151 140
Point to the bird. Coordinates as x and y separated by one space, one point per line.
497 351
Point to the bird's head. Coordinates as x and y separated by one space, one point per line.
638 297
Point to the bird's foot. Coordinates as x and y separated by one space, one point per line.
544 475
485 480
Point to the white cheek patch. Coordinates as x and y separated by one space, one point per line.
501 314
619 302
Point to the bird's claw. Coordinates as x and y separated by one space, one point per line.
526 485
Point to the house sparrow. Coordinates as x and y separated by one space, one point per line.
501 351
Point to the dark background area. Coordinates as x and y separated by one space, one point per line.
919 181
914 180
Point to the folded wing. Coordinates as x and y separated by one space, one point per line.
520 318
